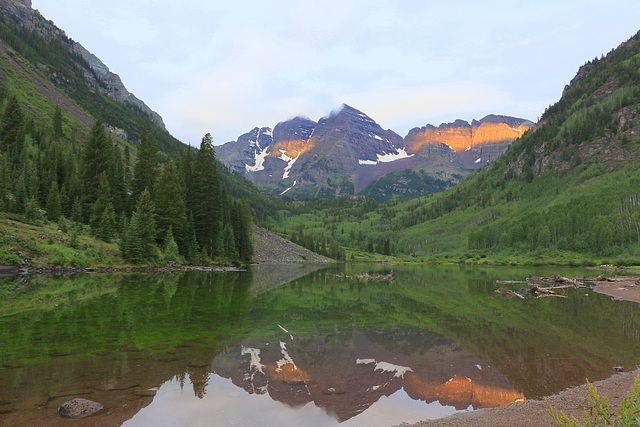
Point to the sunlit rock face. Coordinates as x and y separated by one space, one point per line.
461 136
341 154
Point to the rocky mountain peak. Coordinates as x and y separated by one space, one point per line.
347 150
293 129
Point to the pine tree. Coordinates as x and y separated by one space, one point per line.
76 211
96 159
5 181
107 224
20 195
102 204
228 242
191 248
140 236
206 203
169 203
56 122
54 203
12 122
119 188
32 210
245 249
170 252
146 168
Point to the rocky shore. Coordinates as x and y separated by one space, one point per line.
57 271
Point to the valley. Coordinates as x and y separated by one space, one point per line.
327 272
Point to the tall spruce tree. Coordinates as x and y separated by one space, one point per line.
56 122
146 168
169 203
245 245
139 243
54 203
12 122
206 202
96 159
103 217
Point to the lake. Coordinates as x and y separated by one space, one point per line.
298 345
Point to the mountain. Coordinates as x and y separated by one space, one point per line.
75 79
347 152
81 155
566 192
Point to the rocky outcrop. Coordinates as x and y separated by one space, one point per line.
460 135
269 247
115 89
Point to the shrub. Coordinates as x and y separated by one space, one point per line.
601 413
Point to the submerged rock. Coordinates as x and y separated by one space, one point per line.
79 408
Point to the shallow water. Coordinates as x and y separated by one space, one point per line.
298 345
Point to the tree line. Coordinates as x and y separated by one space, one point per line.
176 211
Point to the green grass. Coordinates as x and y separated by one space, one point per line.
43 245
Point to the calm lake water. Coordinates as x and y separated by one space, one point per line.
298 345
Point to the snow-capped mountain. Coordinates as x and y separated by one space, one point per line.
343 153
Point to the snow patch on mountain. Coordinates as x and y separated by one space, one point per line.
290 161
259 160
401 153
259 153
294 184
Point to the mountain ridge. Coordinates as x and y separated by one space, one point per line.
346 151
79 76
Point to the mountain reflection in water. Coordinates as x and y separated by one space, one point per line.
343 371
231 349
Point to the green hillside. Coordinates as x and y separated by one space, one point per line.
565 192
87 181
69 73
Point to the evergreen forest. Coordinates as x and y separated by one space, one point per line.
174 212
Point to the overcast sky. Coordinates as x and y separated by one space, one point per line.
225 67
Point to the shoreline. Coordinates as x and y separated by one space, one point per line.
534 412
6 271
59 271
570 401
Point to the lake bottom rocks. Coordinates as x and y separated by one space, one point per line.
79 408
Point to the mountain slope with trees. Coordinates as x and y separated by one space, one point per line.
64 162
566 191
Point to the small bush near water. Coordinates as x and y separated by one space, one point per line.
601 413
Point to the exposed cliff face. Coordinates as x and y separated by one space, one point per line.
460 135
345 152
114 87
